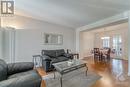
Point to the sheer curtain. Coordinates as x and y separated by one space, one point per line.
7 44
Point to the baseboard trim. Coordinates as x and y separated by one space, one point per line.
120 59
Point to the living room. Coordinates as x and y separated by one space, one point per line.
50 43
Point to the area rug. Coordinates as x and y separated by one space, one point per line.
76 78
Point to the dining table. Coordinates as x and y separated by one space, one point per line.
103 51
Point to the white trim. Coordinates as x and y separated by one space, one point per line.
106 21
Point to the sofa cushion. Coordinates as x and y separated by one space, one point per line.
29 80
22 74
59 59
60 52
54 60
3 70
50 53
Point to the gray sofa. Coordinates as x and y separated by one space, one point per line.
53 56
18 75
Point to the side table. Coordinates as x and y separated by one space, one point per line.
75 55
37 59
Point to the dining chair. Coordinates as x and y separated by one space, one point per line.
97 54
107 55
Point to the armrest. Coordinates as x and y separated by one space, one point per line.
46 62
19 67
31 80
46 58
68 55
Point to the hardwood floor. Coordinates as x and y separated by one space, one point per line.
42 73
114 73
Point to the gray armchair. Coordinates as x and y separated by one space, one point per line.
18 75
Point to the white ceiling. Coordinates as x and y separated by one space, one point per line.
71 13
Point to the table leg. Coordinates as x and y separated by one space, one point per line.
54 75
86 70
61 81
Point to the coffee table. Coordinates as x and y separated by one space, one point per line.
69 66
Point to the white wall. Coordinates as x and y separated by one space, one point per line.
29 36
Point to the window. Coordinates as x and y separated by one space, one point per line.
117 45
105 42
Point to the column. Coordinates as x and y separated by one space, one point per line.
1 43
129 46
77 40
9 44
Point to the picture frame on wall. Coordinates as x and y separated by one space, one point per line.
53 39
